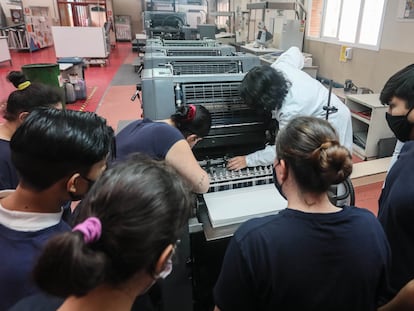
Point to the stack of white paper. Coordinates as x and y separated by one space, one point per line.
238 205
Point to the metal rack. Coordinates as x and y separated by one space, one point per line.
123 27
16 37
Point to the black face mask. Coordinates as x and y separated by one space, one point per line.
78 197
277 185
400 126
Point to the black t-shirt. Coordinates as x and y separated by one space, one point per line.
152 138
305 261
39 302
8 173
396 214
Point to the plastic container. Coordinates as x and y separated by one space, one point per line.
78 65
42 73
70 93
80 89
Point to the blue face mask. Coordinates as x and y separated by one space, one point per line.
277 185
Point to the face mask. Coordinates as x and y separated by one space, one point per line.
162 275
167 270
400 126
78 197
277 185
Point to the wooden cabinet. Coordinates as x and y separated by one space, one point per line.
368 123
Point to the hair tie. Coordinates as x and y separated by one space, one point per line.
325 145
190 113
23 85
91 228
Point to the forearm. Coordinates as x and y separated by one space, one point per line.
262 157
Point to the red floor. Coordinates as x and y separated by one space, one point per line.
97 78
113 102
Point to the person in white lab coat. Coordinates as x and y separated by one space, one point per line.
288 92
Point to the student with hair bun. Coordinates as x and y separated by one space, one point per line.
170 139
27 97
124 240
312 255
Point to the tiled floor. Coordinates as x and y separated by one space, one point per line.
113 101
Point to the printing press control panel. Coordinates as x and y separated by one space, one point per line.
223 179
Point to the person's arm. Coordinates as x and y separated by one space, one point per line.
403 301
265 156
261 157
181 157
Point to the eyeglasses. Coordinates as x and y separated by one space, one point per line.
90 181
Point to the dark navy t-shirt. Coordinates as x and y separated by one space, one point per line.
152 138
305 261
396 214
19 251
8 173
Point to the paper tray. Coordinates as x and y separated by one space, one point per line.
238 205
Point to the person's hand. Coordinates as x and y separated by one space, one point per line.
236 163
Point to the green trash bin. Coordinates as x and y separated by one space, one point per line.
42 73
45 73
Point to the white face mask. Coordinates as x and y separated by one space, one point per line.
167 270
162 275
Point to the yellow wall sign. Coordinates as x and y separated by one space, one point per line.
342 56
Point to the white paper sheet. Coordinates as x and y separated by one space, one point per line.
238 205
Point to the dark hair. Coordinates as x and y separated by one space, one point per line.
401 85
192 119
51 144
311 150
264 88
143 206
34 96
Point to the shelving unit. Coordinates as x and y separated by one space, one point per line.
368 124
4 51
33 35
16 37
38 31
123 27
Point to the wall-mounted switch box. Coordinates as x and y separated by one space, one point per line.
348 53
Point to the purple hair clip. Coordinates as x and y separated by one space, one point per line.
91 228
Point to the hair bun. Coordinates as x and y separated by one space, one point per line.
335 162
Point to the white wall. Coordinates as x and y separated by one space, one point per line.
53 12
397 35
132 8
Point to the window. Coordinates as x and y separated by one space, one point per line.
352 22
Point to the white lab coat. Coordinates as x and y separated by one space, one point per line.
306 97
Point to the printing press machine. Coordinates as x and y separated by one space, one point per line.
236 63
161 42
158 24
186 50
233 196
